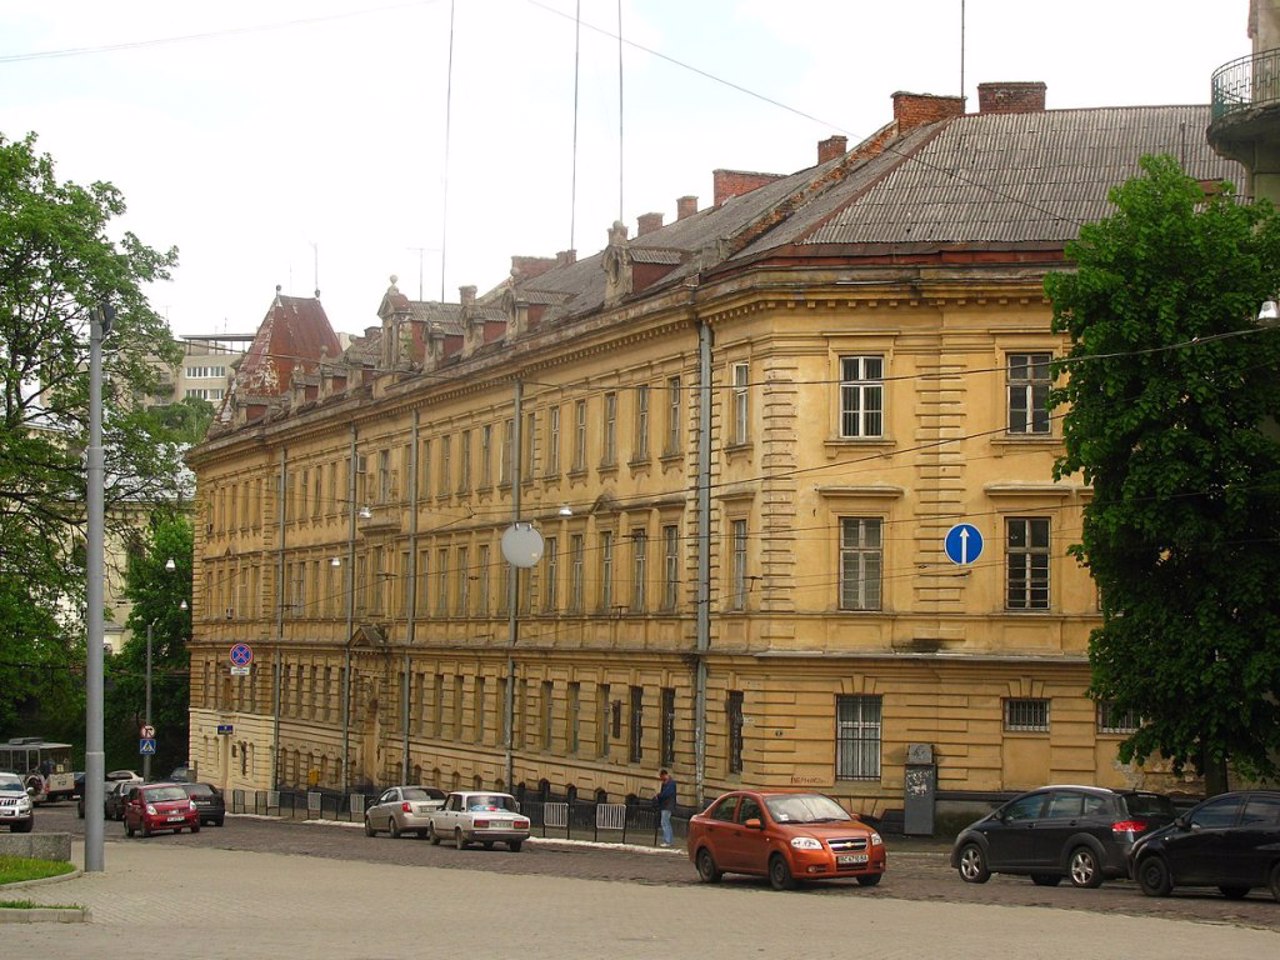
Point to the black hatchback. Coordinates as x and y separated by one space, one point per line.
209 802
1231 842
1081 833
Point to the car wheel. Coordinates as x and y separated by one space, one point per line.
973 864
869 879
1084 868
458 840
128 830
515 845
146 829
1274 881
1046 879
708 872
195 828
221 821
368 828
23 827
1153 877
780 877
488 844
432 835
393 828
1235 893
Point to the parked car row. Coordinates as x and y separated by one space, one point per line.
463 817
208 799
1091 834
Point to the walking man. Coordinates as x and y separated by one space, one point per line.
665 801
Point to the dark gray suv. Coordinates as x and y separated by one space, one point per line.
1081 833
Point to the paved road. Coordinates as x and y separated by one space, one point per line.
210 897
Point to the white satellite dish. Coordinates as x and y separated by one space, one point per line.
522 545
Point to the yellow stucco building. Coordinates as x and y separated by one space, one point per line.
789 465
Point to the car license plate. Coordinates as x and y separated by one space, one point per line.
500 824
177 819
850 859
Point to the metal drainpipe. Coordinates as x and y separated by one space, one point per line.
705 338
411 611
349 582
513 589
279 667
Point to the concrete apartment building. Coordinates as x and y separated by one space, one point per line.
747 440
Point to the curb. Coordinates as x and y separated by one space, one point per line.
43 914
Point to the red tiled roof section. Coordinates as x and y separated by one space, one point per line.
295 333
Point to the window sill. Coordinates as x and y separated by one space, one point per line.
837 445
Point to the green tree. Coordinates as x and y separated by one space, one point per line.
161 599
1170 400
58 260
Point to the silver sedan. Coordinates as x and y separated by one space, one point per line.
480 816
404 809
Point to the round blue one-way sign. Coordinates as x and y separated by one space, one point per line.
963 543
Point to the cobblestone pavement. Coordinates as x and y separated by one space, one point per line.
269 889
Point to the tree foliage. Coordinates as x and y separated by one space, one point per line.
1170 403
58 260
160 598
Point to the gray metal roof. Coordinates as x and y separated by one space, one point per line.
1008 178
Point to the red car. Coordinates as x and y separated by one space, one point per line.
787 837
159 806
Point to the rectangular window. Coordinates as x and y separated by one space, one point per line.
464 582
437 706
861 563
486 456
740 432
422 607
606 572
674 399
573 703
446 466
733 723
862 396
577 558
406 586
637 724
546 703
1028 563
1111 719
738 570
505 463
639 568
553 442
1025 714
504 692
670 566
609 431
384 476
602 719
442 582
477 709
482 580
667 730
550 592
858 737
528 442
424 469
580 435
457 708
464 467
1028 384
642 423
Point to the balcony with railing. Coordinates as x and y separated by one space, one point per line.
1246 107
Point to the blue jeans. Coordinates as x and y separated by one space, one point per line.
667 836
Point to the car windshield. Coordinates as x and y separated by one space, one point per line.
200 790
419 793
806 808
160 794
480 803
9 782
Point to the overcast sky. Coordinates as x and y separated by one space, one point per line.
293 142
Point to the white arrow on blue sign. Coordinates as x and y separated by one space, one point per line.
963 543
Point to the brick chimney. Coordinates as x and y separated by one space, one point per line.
467 296
911 110
831 148
566 258
647 223
734 183
1011 97
686 207
526 268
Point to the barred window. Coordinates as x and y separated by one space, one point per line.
667 731
858 737
1026 714
637 724
1112 719
733 716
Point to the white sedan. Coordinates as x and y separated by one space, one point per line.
479 816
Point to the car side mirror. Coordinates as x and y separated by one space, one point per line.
753 823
